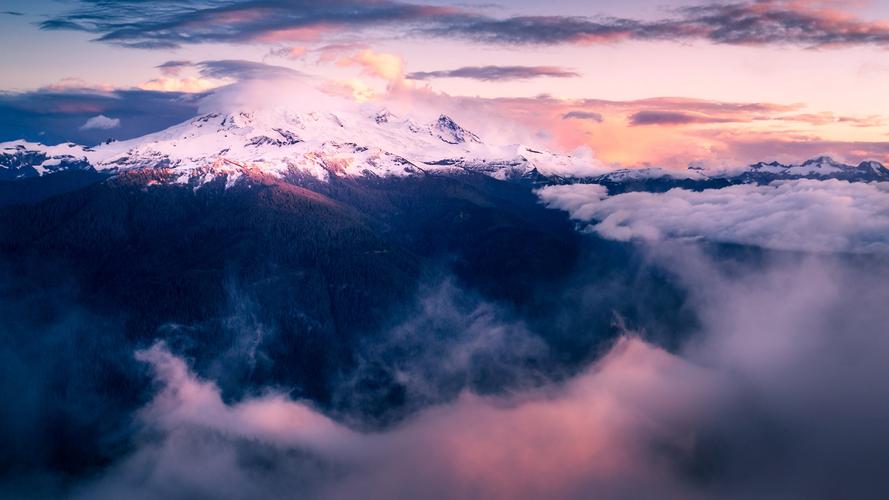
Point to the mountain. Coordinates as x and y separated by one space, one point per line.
822 167
697 179
291 144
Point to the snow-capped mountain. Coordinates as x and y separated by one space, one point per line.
822 167
352 140
287 143
695 178
20 159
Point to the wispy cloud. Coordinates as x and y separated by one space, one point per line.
173 68
671 118
496 73
583 115
166 23
292 53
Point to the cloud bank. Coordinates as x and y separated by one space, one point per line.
804 215
779 396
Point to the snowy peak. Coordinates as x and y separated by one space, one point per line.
636 174
821 167
448 131
822 162
20 159
874 167
697 178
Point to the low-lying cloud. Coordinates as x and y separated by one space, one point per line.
806 215
778 396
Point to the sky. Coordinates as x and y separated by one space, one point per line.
638 82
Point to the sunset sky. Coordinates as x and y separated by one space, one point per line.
638 82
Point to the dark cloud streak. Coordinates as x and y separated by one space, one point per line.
671 118
583 115
496 73
166 24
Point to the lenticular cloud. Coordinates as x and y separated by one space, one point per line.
800 215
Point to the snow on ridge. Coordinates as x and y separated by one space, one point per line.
344 142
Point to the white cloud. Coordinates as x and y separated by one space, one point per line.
186 84
590 435
804 215
784 381
101 122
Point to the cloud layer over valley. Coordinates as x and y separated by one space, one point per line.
803 215
777 396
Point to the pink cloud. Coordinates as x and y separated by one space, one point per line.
389 67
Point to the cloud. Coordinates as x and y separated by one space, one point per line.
670 118
672 111
795 145
170 24
590 435
69 109
292 53
583 115
212 74
496 73
762 22
101 122
54 115
801 215
782 382
454 340
173 68
74 84
389 67
240 69
191 85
